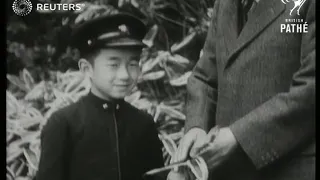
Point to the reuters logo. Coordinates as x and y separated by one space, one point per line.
22 7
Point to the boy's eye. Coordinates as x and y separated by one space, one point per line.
113 65
134 63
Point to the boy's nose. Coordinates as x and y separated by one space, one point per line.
123 73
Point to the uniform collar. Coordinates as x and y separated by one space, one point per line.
102 103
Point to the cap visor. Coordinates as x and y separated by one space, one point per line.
121 42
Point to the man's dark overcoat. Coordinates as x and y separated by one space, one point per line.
260 82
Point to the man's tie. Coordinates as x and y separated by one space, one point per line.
248 7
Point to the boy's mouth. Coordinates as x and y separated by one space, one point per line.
122 86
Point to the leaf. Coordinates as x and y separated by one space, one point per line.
85 85
9 177
169 123
37 92
58 94
79 18
163 58
121 3
133 97
172 112
35 147
31 158
178 46
31 137
176 136
150 64
12 156
11 124
12 103
169 144
142 103
17 130
27 78
16 81
150 36
167 159
153 75
82 93
74 83
33 112
71 74
65 21
179 60
153 172
61 101
182 80
10 172
31 171
157 114
135 3
175 103
22 178
9 137
26 123
201 53
20 168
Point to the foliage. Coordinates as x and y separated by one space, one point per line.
29 104
42 75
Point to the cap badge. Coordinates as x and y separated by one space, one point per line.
123 28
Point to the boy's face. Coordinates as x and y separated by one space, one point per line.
114 72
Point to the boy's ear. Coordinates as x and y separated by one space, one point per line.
85 67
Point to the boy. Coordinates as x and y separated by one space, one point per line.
101 137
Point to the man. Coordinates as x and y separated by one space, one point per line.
257 83
101 137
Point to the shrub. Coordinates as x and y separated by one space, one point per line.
42 75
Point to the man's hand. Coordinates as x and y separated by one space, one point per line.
220 149
194 139
183 174
176 175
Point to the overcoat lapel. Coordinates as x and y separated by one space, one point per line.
266 11
230 23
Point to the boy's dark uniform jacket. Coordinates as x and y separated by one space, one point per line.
96 140
261 83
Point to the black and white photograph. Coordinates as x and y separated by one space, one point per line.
160 89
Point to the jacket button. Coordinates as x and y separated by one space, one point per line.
105 106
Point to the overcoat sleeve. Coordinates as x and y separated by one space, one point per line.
287 120
53 157
202 84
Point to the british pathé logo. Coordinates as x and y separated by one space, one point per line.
297 5
294 25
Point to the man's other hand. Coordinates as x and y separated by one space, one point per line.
220 149
189 145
